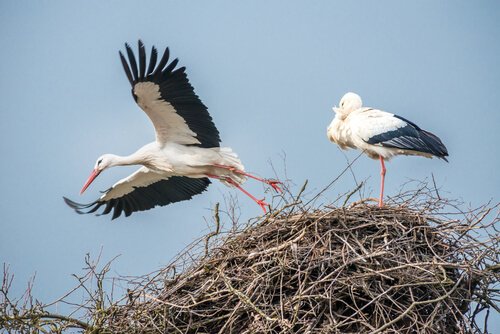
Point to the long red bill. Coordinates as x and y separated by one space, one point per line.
91 178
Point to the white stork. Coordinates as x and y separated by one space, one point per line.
380 135
185 154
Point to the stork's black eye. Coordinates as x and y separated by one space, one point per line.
99 162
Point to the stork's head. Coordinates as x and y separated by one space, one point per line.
348 103
103 162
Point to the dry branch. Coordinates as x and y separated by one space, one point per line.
419 265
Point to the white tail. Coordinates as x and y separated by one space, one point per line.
229 158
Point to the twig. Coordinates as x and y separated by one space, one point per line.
431 301
348 197
217 228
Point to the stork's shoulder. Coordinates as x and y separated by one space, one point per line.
368 113
369 117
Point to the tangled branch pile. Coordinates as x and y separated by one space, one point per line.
357 269
413 266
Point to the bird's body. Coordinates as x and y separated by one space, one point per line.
372 131
186 152
174 159
380 134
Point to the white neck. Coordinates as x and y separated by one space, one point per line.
132 159
143 156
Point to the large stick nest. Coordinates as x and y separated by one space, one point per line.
356 269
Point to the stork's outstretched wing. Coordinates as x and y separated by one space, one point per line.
167 97
143 190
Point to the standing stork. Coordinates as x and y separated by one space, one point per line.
186 152
380 135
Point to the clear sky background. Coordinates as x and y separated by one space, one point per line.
269 72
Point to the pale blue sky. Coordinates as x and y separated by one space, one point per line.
269 72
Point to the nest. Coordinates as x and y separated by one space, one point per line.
421 264
356 269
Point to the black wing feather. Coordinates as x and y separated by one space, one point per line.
162 63
168 70
118 209
142 60
152 61
411 137
175 88
126 68
131 59
109 206
171 190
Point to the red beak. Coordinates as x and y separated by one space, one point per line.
95 173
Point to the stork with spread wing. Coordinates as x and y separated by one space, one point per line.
186 152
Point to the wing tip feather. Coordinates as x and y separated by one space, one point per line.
126 68
78 207
142 60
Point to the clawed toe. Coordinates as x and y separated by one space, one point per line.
275 184
262 204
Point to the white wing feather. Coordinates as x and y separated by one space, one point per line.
169 126
143 177
365 124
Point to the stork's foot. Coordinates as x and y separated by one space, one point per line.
275 184
263 205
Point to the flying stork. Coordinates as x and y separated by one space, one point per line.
185 154
380 135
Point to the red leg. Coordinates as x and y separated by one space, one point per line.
273 183
382 179
260 202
